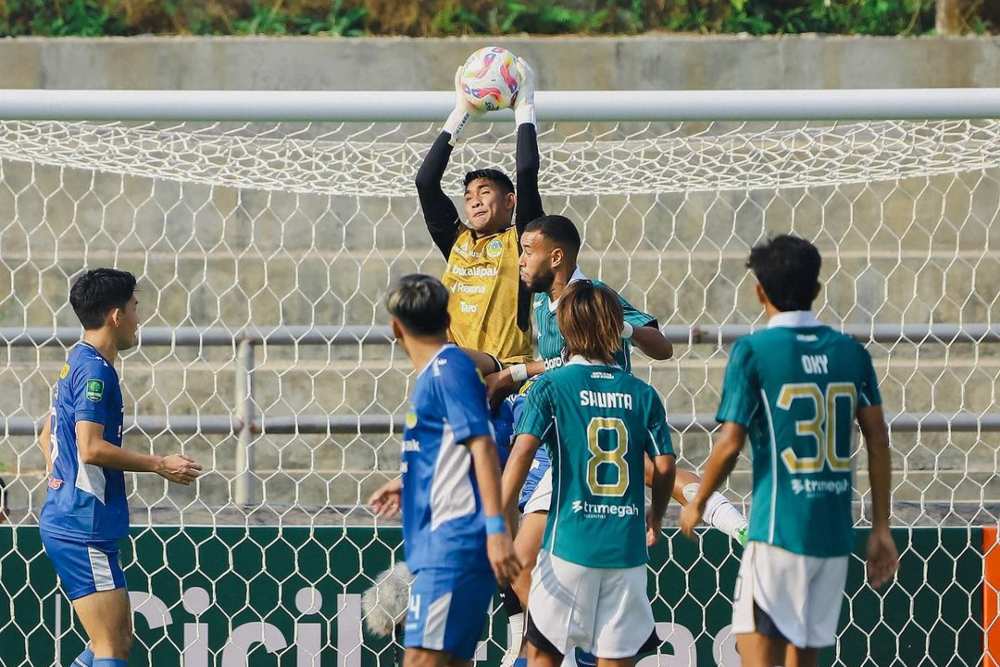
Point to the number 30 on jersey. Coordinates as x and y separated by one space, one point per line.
822 427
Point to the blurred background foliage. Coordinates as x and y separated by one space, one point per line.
433 18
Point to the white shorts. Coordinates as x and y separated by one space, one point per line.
801 594
541 497
601 611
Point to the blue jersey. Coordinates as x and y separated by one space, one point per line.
85 501
443 521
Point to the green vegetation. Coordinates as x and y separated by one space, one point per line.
90 18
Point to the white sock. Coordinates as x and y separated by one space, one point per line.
723 515
515 635
719 512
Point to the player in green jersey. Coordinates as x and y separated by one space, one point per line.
551 245
796 388
598 423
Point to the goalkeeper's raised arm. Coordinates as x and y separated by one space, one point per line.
489 309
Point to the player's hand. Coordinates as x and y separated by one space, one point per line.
526 93
499 386
461 103
690 518
179 469
503 559
386 501
654 527
883 558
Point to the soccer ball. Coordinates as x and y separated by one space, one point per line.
490 79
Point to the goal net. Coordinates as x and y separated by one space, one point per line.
264 252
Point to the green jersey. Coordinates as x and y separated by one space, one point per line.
796 387
597 423
550 339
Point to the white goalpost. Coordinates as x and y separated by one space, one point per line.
265 228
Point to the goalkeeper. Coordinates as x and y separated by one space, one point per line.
489 309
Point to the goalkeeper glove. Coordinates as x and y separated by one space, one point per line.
462 112
524 103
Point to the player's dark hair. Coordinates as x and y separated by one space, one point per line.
420 302
96 292
499 179
787 267
560 230
590 318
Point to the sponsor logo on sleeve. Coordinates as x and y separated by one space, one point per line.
95 390
64 372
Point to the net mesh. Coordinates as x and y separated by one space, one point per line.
235 226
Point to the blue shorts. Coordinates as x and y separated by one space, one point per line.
502 420
84 567
448 610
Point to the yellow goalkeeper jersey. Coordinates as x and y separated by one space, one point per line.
483 279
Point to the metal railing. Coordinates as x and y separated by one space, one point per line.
246 424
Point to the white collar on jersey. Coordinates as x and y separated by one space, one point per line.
794 319
437 354
577 275
584 361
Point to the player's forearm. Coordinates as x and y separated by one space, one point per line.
529 200
106 455
440 214
876 435
536 367
720 464
516 471
664 471
652 342
880 479
487 466
435 162
45 442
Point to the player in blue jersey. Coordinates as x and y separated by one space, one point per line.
456 539
796 388
85 512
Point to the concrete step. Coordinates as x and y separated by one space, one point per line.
683 286
961 378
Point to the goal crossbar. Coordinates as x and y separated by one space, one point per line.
563 105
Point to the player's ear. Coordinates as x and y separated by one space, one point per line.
510 200
115 317
557 257
761 295
397 329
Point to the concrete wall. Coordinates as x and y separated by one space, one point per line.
647 62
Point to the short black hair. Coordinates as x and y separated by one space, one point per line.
560 230
500 179
420 302
96 292
787 267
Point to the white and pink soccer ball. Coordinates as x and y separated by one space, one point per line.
490 79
